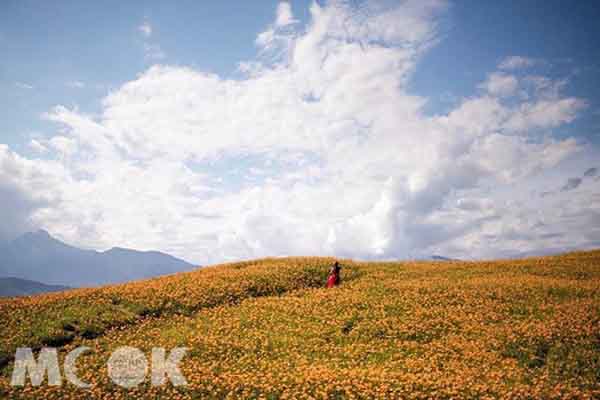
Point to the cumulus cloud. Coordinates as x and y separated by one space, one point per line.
545 87
284 14
499 84
516 62
37 146
545 113
320 148
26 189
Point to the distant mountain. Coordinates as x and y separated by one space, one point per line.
433 258
24 287
40 257
441 258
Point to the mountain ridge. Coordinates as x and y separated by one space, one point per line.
38 256
10 287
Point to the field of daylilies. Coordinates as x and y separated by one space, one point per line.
268 329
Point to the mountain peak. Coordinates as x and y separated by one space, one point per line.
42 233
38 239
117 249
39 235
38 256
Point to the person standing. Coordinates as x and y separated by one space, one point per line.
334 275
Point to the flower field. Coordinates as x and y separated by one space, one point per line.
268 329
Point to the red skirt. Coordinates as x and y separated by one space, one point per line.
333 280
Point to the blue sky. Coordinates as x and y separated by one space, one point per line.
74 76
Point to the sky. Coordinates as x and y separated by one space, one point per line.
219 131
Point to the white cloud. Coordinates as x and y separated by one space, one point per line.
284 14
516 62
27 187
278 37
545 113
145 29
64 146
499 84
37 146
320 149
545 87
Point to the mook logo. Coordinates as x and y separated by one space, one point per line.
127 367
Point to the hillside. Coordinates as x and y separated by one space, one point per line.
24 287
40 257
268 329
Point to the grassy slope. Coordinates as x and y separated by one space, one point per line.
506 328
57 318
